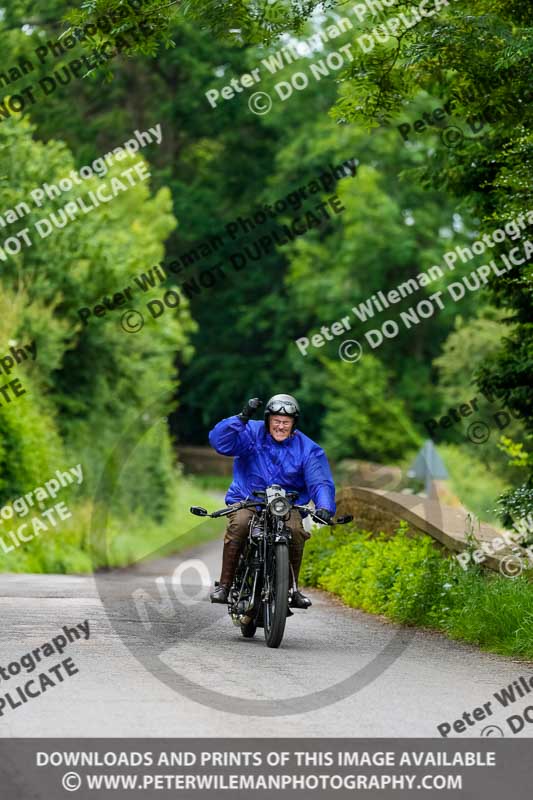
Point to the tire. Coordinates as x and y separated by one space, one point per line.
275 613
248 630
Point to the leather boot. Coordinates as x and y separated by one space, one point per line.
230 559
298 600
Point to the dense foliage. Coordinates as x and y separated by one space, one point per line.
407 579
409 203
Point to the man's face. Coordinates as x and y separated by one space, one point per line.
280 427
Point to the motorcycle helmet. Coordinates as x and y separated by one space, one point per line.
284 405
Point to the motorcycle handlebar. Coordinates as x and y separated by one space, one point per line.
223 512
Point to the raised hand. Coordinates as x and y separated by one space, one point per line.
250 408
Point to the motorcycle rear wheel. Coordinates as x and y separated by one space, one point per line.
275 608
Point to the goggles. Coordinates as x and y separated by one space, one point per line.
280 407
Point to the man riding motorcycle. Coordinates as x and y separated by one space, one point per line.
268 453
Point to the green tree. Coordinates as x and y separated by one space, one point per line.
91 382
469 343
364 418
477 53
406 207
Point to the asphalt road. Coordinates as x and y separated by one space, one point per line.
178 666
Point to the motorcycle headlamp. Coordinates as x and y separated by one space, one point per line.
279 507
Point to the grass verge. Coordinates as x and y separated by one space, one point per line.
68 547
409 581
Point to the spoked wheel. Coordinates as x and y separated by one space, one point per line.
275 604
248 629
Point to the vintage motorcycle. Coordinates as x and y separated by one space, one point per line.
260 594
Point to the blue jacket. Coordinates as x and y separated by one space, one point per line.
296 464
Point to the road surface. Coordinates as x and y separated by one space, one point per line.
180 668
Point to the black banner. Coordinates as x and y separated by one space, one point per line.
32 769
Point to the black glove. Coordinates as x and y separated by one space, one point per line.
324 515
249 409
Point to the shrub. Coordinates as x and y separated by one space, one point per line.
409 580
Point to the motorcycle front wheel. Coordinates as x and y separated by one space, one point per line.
275 604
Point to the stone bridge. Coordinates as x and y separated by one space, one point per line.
381 510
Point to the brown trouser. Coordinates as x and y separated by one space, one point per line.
239 525
235 536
